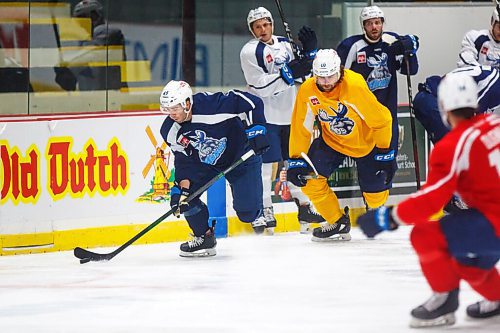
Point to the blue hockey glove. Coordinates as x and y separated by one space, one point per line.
257 139
297 169
408 44
309 41
177 197
384 160
296 69
377 220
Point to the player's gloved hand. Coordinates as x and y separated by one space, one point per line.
384 159
257 139
296 69
297 170
377 220
309 41
177 197
407 44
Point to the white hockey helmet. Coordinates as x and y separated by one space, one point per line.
326 63
495 15
175 92
257 14
370 12
456 91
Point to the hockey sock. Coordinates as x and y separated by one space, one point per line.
197 217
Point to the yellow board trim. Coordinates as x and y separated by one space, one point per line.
112 236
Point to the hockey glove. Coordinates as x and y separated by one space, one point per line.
377 220
384 160
177 197
408 44
296 69
297 170
309 41
257 139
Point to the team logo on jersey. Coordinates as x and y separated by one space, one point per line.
493 62
269 58
484 50
282 58
314 100
339 124
209 149
380 76
361 57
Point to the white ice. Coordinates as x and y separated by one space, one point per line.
281 283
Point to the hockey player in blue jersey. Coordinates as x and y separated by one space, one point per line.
482 47
208 132
378 55
426 106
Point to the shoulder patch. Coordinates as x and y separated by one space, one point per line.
361 57
314 100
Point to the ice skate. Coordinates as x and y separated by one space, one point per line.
307 214
338 231
270 220
259 225
203 246
439 310
483 309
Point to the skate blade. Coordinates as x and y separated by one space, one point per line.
270 231
259 230
444 320
334 238
305 229
200 253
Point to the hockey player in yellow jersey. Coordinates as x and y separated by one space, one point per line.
352 123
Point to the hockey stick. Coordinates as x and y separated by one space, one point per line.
86 256
412 120
296 50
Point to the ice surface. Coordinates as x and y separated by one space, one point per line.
281 283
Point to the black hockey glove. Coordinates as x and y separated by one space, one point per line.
297 170
177 197
309 41
384 159
377 220
408 44
296 69
257 139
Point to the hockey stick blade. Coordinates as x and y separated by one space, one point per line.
85 256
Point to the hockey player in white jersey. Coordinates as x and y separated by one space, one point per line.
271 71
482 47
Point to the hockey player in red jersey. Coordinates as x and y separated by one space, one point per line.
464 245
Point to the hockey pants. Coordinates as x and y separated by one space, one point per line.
443 271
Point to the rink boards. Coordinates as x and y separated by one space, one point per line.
98 179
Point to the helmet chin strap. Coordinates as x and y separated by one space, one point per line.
186 111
